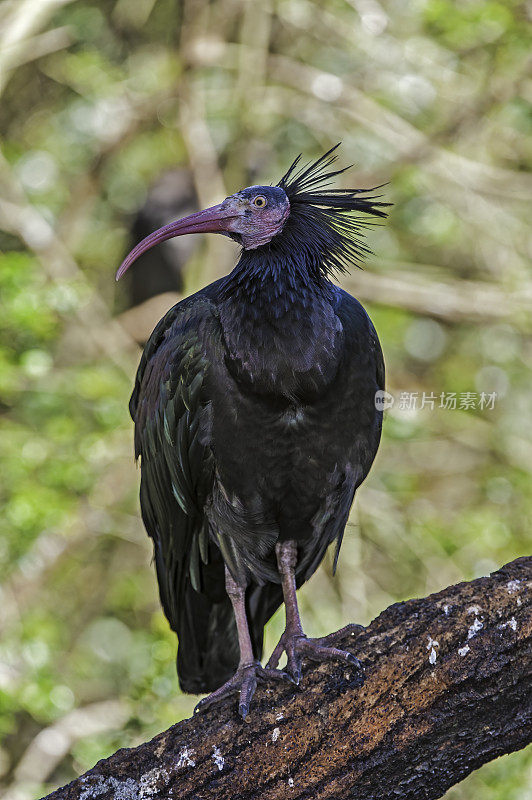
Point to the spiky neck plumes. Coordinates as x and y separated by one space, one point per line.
322 236
325 225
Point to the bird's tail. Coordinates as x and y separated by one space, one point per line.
208 651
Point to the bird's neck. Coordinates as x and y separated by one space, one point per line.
281 333
270 278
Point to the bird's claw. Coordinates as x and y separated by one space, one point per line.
297 645
244 681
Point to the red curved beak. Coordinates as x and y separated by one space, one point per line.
212 220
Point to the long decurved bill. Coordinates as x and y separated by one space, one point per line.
212 220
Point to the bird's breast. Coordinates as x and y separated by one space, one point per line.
292 355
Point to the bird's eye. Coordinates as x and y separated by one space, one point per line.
259 201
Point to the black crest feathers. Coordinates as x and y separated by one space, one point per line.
329 216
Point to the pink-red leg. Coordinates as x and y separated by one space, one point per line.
294 642
249 670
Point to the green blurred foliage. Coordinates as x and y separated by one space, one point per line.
100 98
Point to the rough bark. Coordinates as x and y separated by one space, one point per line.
447 687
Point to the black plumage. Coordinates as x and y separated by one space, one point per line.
255 421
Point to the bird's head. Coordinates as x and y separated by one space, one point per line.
298 209
252 217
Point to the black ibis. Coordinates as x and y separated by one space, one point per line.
255 422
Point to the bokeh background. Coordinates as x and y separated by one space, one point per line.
118 115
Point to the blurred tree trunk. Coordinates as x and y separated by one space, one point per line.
447 688
172 196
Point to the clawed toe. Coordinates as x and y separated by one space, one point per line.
228 688
315 650
244 681
267 674
297 646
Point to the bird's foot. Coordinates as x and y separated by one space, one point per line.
244 681
298 646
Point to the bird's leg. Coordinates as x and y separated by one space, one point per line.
293 642
249 669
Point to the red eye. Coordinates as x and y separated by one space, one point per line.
260 201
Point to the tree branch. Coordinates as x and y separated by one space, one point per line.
447 688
